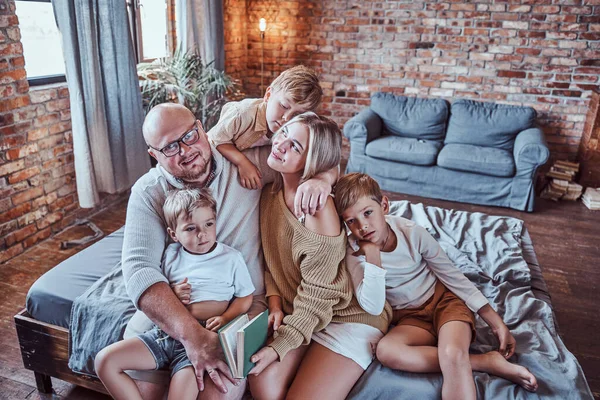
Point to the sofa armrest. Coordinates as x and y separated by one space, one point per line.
530 151
365 125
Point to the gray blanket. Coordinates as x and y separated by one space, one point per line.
493 252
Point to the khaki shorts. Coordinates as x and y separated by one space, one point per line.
442 307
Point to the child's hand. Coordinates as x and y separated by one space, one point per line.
250 176
507 341
183 291
366 248
215 323
275 318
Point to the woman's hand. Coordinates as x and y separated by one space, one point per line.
183 291
507 341
265 357
275 318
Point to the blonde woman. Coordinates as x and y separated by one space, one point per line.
318 325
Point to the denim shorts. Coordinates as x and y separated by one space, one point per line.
167 352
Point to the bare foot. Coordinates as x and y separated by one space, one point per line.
499 366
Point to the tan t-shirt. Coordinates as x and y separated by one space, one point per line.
243 123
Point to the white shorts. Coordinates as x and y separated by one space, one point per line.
351 340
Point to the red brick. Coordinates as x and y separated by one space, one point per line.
20 235
512 74
15 212
9 168
11 76
14 103
21 152
41 235
42 96
27 195
23 175
37 134
13 251
49 220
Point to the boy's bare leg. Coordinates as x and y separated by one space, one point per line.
113 360
313 380
412 349
211 392
183 385
409 348
453 350
274 381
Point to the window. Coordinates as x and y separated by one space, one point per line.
148 24
42 46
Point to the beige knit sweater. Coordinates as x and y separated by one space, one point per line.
307 271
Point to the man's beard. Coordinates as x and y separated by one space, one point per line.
191 176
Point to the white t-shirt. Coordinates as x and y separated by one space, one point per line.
409 273
218 275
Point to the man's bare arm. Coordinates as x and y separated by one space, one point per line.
202 347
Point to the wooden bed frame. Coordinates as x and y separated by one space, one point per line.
45 351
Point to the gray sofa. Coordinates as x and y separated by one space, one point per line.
472 152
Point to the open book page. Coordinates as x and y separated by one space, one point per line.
228 337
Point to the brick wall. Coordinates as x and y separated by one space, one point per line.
589 150
37 178
235 25
542 53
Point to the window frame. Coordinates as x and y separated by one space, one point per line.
135 28
44 79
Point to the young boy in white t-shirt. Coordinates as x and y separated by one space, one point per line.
392 259
205 275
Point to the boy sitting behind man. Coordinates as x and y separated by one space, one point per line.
391 258
252 122
205 275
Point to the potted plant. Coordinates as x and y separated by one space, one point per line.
185 79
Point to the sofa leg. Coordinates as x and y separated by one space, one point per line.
43 382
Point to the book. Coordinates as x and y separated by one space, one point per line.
240 339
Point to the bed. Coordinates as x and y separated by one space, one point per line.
496 253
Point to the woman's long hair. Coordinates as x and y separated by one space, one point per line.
324 146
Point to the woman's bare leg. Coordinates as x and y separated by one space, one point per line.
313 380
112 361
274 381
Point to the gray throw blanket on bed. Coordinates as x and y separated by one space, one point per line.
493 252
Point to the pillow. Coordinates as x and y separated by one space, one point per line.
487 124
411 117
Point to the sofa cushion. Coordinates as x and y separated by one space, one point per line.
404 150
411 117
487 124
478 159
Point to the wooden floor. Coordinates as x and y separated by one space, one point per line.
566 238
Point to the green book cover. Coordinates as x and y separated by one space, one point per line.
251 338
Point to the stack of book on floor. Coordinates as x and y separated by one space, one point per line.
591 198
563 170
561 185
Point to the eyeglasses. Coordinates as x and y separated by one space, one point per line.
173 148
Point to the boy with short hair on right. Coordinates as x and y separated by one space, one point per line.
252 122
391 258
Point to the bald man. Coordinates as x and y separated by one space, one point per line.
185 158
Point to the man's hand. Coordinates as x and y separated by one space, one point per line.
204 352
311 197
507 341
183 290
215 323
250 176
265 357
